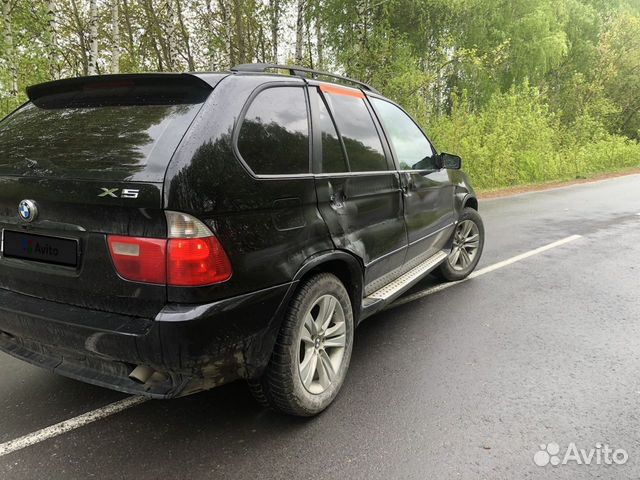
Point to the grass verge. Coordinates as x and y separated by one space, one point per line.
535 187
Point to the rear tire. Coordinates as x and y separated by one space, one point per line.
468 242
313 350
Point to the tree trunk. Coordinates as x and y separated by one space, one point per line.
171 36
93 38
10 50
133 52
156 36
239 21
261 45
185 38
82 40
115 27
225 18
52 40
274 13
307 29
300 31
210 37
319 44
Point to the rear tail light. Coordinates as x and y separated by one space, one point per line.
196 261
192 256
139 259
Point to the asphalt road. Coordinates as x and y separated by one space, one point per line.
465 383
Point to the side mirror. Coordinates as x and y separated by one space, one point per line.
449 161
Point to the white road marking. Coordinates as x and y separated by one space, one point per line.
68 425
113 408
483 271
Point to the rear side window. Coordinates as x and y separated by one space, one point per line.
361 140
274 135
412 148
333 160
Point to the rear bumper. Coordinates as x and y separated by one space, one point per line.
195 347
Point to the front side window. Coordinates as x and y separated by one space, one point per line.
359 134
412 148
274 136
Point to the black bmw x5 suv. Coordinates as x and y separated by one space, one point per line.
163 234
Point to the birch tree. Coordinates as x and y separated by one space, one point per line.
172 44
115 31
184 33
275 11
10 53
300 15
156 37
76 28
240 35
227 33
131 49
52 40
319 40
210 27
93 38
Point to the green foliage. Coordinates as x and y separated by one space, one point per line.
516 140
511 141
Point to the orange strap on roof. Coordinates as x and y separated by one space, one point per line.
341 91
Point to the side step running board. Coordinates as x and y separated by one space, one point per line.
405 281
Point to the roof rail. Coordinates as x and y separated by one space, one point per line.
298 72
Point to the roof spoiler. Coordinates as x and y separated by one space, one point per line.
121 89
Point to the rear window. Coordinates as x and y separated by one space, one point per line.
90 141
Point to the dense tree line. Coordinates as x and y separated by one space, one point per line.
526 90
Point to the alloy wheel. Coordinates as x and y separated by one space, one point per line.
322 344
466 241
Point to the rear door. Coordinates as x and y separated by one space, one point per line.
359 194
428 191
83 159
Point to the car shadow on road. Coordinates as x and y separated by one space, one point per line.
228 406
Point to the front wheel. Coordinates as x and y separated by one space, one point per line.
468 242
313 350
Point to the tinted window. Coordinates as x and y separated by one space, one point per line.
274 137
333 159
412 148
114 142
359 134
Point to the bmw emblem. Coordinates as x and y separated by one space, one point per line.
27 210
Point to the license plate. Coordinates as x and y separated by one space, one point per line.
40 248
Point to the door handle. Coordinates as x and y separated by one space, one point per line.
337 199
408 187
